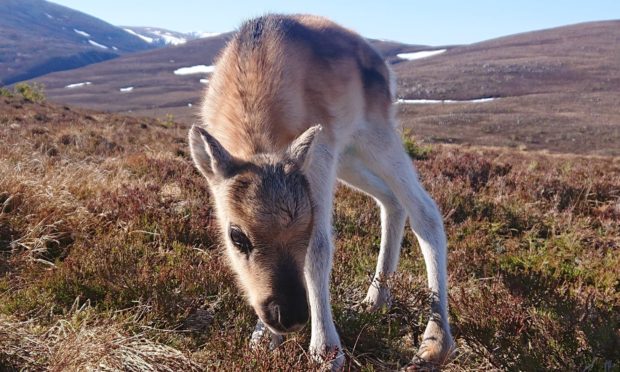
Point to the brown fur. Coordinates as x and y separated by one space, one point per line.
282 74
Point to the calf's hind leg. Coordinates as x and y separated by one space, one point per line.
385 156
356 174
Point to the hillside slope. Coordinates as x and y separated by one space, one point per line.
556 89
581 58
150 75
38 37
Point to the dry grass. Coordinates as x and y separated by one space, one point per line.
109 210
79 343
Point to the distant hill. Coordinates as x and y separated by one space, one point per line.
38 37
578 58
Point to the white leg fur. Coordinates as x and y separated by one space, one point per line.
322 178
353 172
384 156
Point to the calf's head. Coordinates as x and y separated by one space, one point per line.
264 211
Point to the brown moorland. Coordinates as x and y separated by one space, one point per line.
109 258
556 89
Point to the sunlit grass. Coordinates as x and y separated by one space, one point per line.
108 242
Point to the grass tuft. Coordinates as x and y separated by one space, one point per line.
415 150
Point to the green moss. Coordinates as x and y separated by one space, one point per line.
415 150
168 121
4 92
34 92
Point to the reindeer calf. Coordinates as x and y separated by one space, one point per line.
296 103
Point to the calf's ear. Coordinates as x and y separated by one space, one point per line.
300 150
210 157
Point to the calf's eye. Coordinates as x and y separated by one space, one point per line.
239 239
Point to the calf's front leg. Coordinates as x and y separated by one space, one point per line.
324 343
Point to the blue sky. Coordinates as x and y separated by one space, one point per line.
417 22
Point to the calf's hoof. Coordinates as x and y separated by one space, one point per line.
436 349
378 297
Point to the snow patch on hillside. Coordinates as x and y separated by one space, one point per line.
78 85
418 55
165 37
202 35
434 101
200 69
169 38
81 33
94 43
145 38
